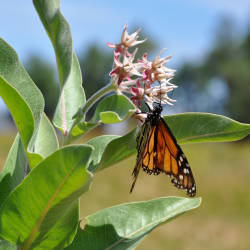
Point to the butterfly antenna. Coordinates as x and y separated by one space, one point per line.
149 109
160 94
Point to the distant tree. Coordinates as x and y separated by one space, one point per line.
246 44
95 62
228 62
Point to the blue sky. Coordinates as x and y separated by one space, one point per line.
185 27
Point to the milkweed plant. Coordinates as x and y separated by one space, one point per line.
41 182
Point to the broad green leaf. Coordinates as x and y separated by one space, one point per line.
81 128
112 109
14 169
187 128
72 95
124 226
205 127
111 149
71 99
44 197
118 149
19 109
22 97
46 141
99 143
65 229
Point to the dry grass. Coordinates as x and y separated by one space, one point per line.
222 173
221 222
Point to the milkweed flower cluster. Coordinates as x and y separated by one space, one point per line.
139 78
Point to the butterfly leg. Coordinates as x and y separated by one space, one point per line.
136 173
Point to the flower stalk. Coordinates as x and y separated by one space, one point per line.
97 96
142 80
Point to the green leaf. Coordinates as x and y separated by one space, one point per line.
65 229
46 141
124 226
118 149
72 95
112 109
45 196
99 143
187 128
19 109
80 129
204 127
14 169
71 99
111 149
21 95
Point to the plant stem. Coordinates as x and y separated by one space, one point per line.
94 98
80 115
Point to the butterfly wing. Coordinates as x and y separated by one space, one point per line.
158 151
142 140
171 160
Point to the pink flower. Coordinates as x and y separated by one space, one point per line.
126 68
152 94
126 42
138 93
156 70
138 79
158 94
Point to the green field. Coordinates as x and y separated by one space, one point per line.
222 173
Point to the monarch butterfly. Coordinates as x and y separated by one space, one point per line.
158 151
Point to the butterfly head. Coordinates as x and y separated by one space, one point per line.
154 115
157 109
